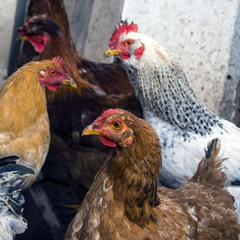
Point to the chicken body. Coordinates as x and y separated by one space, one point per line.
124 202
24 123
100 86
182 123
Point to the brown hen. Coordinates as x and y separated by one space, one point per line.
124 201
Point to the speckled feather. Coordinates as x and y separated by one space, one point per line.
123 202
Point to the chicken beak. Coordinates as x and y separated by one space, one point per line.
109 52
89 130
70 82
24 38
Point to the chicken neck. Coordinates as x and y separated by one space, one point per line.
134 171
162 87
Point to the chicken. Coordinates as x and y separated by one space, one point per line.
100 86
182 123
124 201
12 178
24 123
52 8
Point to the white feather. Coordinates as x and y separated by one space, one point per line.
180 158
11 226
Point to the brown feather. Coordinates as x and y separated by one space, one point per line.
209 169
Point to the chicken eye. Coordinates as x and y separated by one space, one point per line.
117 125
52 72
128 43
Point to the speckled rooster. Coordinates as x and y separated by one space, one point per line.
182 123
124 201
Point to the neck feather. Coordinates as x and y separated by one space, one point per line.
134 172
23 99
162 87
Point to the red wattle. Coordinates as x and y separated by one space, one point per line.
38 42
53 87
139 52
124 56
107 142
38 47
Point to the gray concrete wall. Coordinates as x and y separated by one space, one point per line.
104 15
10 20
12 16
92 23
204 36
6 27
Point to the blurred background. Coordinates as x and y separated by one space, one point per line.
203 35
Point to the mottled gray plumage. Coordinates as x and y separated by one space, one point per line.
12 177
165 90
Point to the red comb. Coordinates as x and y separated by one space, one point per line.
122 27
26 25
31 20
59 61
106 113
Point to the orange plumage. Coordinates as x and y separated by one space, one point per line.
124 201
24 123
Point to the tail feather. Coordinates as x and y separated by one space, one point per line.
209 170
11 181
8 159
12 176
16 169
9 204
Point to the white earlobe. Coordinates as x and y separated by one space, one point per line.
43 73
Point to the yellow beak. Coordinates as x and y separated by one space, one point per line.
22 38
89 131
109 52
70 82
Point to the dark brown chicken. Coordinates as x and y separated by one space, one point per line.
100 86
124 201
52 8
